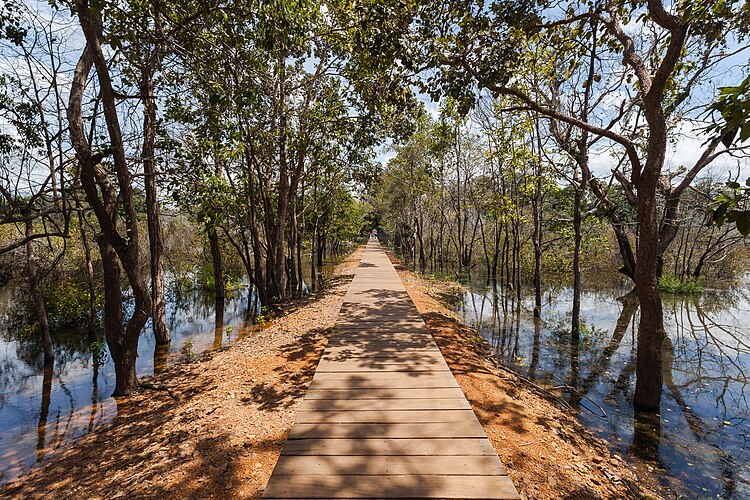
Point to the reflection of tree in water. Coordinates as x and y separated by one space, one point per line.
629 307
44 412
708 353
704 371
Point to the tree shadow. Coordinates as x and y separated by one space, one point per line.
291 382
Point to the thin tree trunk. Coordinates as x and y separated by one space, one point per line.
217 264
36 295
537 240
155 237
90 283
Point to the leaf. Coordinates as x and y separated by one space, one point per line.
743 223
727 138
718 214
745 132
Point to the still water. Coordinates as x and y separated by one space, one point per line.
42 410
699 440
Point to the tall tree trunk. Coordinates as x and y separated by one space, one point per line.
155 237
648 387
36 294
90 283
278 240
293 244
300 236
537 240
420 237
217 263
122 356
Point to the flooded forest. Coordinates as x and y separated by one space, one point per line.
173 175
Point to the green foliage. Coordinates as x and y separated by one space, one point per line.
67 303
264 317
733 107
731 207
187 351
673 284
11 24
206 280
98 352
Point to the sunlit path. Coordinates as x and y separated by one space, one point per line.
384 416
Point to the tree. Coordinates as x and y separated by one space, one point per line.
112 203
34 196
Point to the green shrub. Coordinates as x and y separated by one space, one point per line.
673 284
67 303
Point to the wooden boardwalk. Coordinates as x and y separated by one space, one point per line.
384 417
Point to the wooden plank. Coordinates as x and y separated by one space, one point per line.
386 393
381 447
398 486
467 428
384 417
377 351
390 465
380 365
386 404
370 336
404 380
403 339
382 344
438 375
362 328
365 383
342 355
333 367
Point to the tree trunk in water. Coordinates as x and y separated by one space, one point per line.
537 239
155 237
41 438
36 294
576 313
649 376
218 266
89 279
124 360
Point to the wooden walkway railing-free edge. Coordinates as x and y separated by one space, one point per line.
384 417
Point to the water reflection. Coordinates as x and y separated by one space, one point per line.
43 408
700 435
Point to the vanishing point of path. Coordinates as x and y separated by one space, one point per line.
384 417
